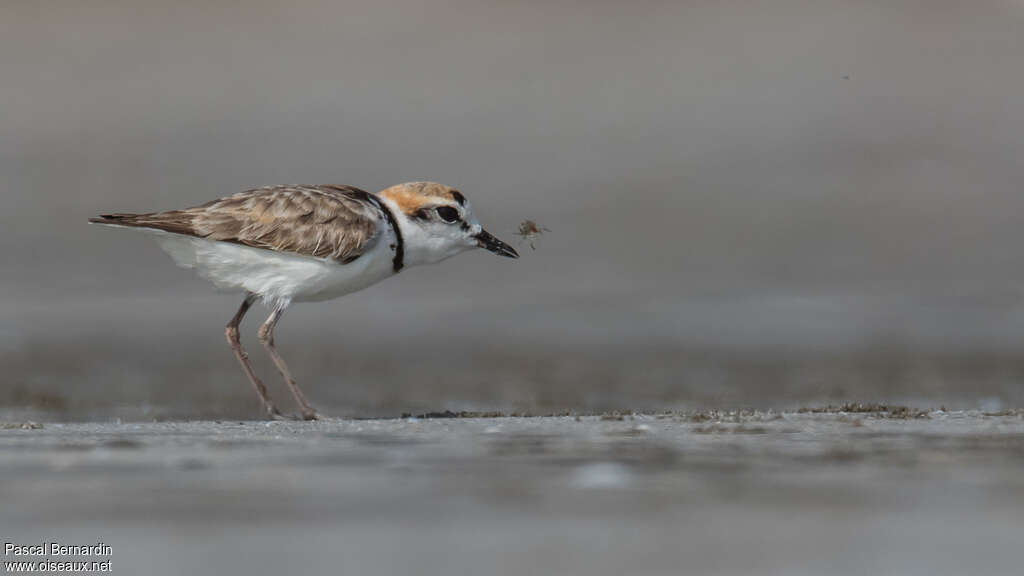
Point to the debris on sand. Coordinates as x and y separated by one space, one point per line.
732 416
879 410
726 429
1018 412
529 231
483 414
28 425
459 414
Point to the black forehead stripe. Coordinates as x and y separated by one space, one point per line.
459 197
398 261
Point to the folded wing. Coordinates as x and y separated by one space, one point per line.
336 222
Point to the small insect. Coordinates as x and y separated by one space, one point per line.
530 231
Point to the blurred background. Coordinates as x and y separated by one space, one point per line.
752 203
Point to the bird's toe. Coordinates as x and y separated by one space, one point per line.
275 414
310 414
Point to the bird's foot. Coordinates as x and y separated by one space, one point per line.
311 414
274 414
305 415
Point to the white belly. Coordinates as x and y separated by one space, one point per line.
279 278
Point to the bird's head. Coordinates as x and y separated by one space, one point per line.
437 222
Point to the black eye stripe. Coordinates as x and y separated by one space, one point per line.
448 214
459 197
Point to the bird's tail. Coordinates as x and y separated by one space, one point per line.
176 221
118 219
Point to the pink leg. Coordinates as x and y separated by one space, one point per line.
231 331
266 335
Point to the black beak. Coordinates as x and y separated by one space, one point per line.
485 240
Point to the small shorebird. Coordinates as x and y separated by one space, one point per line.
285 244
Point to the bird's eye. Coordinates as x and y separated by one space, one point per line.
448 214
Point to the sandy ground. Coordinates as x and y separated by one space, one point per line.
703 493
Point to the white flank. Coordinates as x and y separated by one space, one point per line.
278 277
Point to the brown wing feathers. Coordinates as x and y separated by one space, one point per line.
337 222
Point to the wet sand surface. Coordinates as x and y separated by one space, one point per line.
899 492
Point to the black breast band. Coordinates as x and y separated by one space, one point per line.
398 261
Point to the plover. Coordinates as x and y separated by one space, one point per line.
285 244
